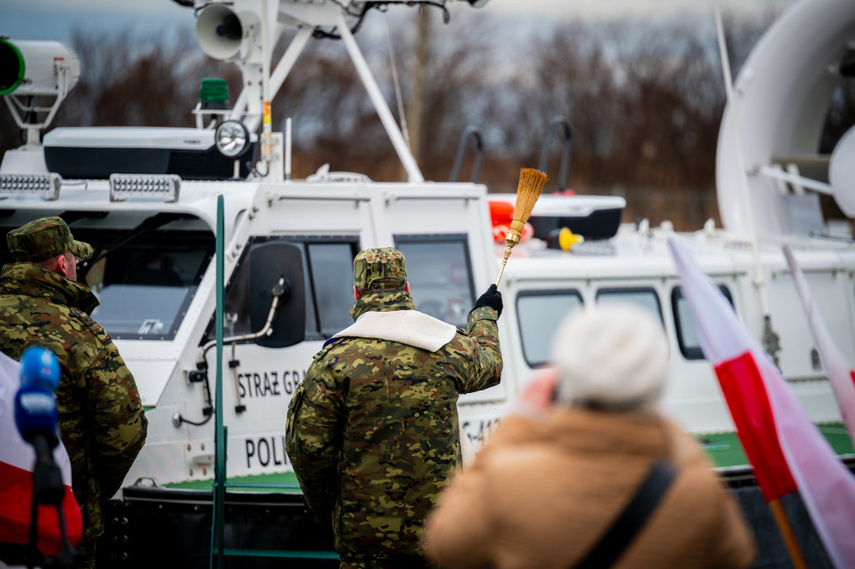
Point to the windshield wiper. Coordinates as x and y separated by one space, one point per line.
149 224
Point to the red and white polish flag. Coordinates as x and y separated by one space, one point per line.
785 448
840 373
16 471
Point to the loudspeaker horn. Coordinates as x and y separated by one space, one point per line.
220 31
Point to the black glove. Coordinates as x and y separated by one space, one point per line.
491 298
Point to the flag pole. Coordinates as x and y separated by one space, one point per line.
788 536
787 533
740 411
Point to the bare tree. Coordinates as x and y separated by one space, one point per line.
644 100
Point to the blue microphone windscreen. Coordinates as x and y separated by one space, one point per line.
39 367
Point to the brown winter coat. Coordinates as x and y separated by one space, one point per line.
540 493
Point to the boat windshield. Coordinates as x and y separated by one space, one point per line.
146 284
145 270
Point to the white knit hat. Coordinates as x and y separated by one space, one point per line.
613 356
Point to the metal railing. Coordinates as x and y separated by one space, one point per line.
558 122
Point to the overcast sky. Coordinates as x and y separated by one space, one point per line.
55 19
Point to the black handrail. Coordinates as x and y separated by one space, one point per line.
475 134
558 121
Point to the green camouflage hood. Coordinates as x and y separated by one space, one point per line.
382 302
26 279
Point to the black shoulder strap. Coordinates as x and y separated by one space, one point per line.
631 520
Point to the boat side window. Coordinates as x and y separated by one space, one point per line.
645 297
330 280
440 275
684 323
539 313
328 283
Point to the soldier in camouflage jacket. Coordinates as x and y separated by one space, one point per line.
372 431
102 421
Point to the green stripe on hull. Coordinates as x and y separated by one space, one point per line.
725 450
280 482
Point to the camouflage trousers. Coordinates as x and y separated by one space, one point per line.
409 562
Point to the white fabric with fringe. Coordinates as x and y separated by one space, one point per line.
409 327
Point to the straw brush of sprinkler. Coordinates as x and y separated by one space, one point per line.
528 190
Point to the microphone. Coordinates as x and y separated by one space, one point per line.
37 420
40 367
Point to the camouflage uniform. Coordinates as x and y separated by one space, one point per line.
372 431
102 422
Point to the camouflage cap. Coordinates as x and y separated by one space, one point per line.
379 268
45 239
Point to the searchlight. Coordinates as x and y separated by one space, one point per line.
31 71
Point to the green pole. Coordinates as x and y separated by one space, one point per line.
218 522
